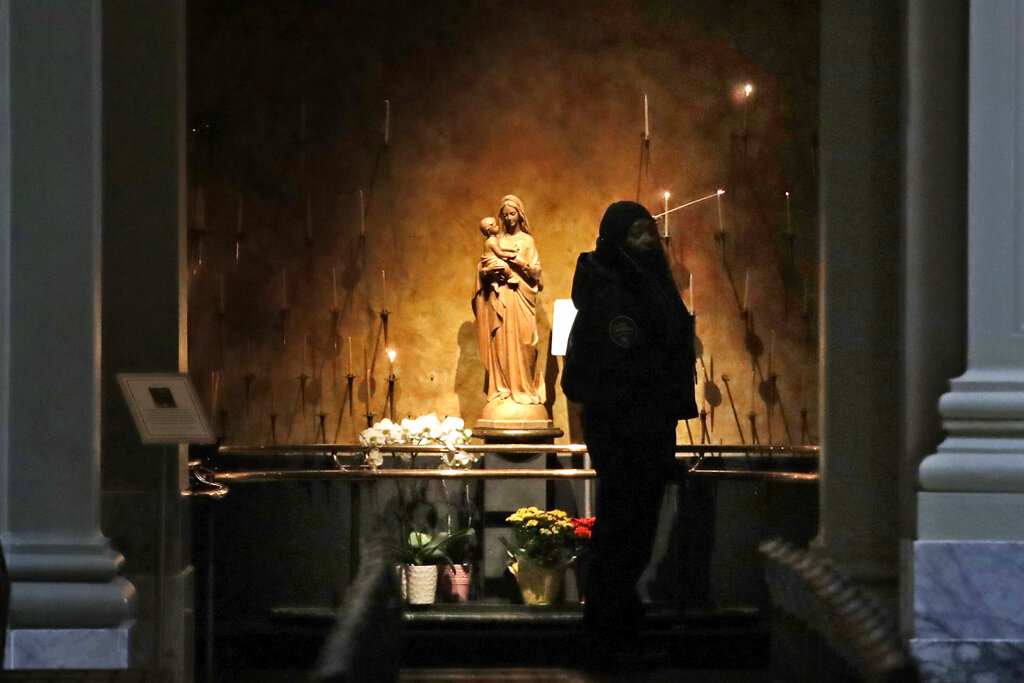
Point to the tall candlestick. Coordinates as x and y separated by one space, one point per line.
647 128
665 216
746 292
391 361
351 368
334 285
771 353
384 288
367 389
789 223
693 309
387 120
362 214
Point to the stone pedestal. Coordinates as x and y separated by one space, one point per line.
503 497
970 549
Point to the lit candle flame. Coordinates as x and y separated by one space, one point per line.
721 192
747 89
392 355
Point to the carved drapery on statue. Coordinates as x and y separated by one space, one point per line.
505 305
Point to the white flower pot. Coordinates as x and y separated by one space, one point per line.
421 583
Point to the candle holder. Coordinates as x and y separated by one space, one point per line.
323 427
805 432
384 315
369 420
273 429
351 399
303 378
689 434
391 395
705 435
732 405
753 428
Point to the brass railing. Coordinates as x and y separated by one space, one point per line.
205 472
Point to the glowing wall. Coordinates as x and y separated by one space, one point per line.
542 100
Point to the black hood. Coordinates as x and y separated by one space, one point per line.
617 219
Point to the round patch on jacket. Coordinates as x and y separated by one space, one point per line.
623 331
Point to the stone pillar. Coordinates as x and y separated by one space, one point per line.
969 609
69 608
860 171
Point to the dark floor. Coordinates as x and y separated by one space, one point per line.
509 643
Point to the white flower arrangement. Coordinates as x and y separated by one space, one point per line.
426 429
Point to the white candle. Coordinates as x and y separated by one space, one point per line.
666 196
383 286
647 128
351 368
391 360
334 285
367 389
746 291
693 309
718 200
387 120
362 214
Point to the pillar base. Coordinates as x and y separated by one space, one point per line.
968 611
79 648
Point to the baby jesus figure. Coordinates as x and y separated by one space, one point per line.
495 252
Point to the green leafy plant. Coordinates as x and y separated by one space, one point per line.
420 547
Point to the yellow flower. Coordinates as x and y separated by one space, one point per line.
531 522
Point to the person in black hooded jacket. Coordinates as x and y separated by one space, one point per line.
630 362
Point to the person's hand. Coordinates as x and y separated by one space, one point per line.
509 254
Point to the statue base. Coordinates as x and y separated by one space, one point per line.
504 413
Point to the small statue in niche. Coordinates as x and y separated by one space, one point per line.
505 306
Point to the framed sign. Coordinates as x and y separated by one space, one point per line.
166 408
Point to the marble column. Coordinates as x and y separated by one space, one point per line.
69 607
860 173
968 560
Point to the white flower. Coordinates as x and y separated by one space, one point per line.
392 432
456 460
453 424
372 437
413 430
431 426
374 458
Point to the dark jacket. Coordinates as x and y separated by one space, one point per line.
631 347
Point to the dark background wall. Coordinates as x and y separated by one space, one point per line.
543 100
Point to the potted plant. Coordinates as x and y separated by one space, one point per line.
420 554
582 530
457 575
540 550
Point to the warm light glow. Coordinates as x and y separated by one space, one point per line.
391 355
747 89
787 194
667 195
721 192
